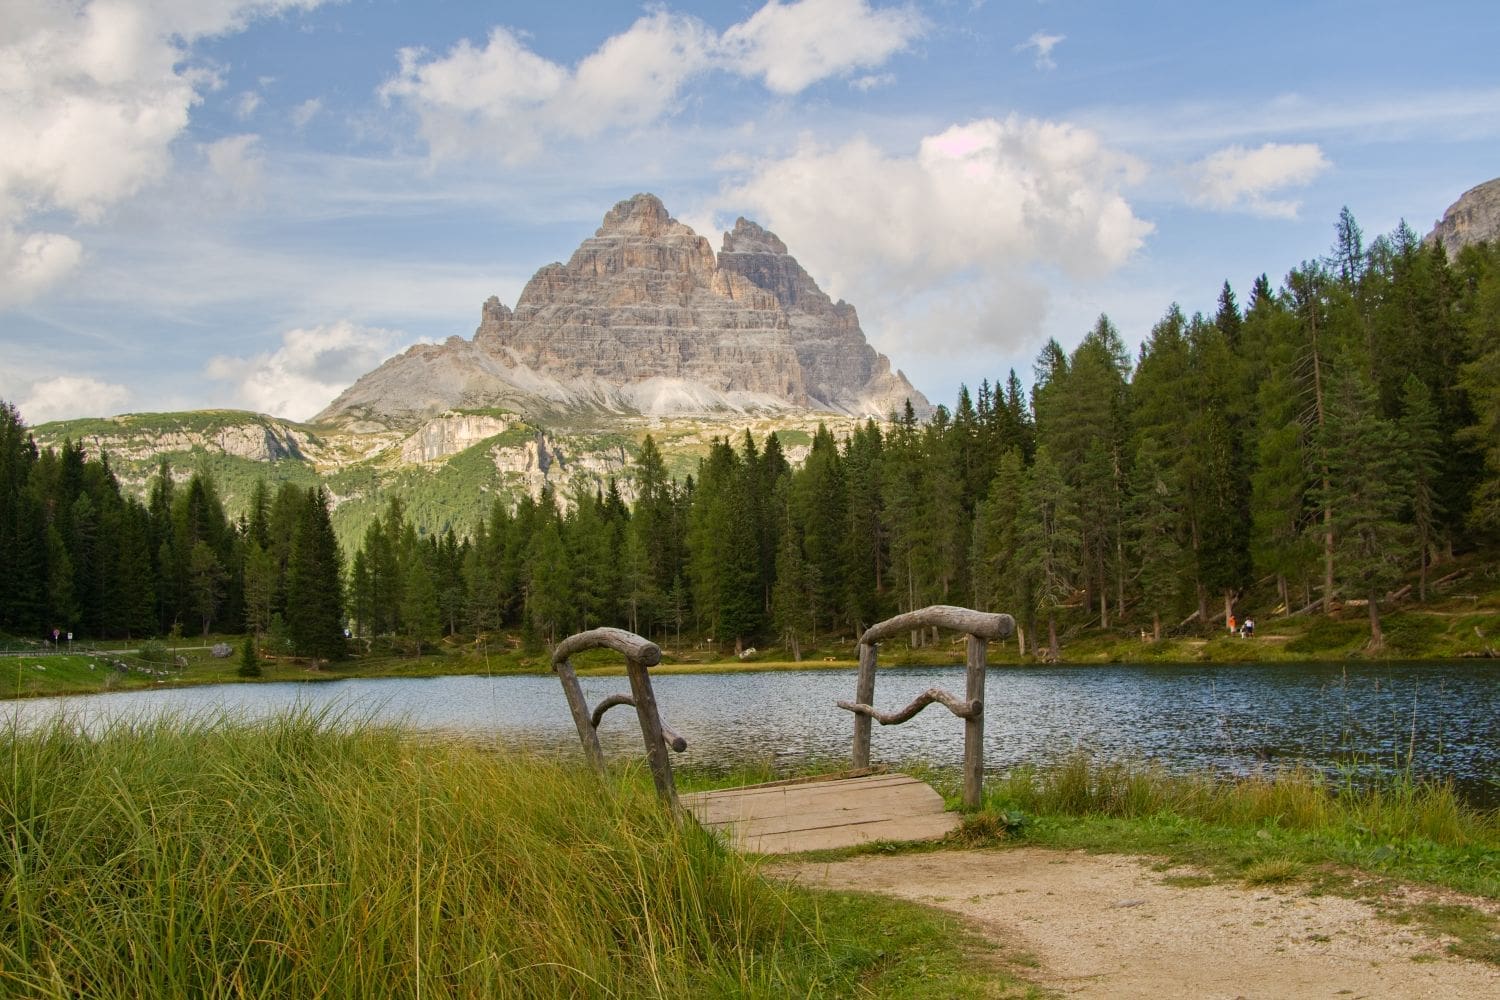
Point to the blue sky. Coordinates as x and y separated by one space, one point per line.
249 203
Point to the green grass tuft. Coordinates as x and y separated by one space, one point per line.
317 855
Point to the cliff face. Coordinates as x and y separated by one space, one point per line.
1473 218
645 318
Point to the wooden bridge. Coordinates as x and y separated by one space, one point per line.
805 814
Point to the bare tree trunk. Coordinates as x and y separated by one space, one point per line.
1052 636
1156 626
796 648
1377 637
1119 577
1327 551
1422 575
1103 608
1020 639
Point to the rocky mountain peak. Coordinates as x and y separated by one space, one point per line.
1473 218
644 318
749 237
641 215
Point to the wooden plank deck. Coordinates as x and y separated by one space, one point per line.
787 817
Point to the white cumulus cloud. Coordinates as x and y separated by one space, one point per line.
976 206
92 94
794 45
64 397
1240 179
308 370
30 263
504 98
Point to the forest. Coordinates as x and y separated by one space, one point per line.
1332 441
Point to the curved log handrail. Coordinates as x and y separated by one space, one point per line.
639 653
981 623
970 709
643 651
673 738
981 627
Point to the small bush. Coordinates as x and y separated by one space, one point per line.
1327 635
154 651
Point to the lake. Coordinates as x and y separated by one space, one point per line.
1356 717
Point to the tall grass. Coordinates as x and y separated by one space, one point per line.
310 856
1296 798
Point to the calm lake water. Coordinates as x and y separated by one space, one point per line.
1230 718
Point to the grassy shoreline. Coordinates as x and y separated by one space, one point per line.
314 855
317 853
1454 628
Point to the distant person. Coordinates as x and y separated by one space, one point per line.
1232 628
1249 627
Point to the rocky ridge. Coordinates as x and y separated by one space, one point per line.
1473 218
645 318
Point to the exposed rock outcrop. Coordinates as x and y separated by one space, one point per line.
645 318
1473 218
450 434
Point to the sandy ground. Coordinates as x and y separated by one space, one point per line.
1111 926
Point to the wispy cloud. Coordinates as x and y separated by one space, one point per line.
1042 44
1247 180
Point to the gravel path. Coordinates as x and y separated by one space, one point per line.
1111 926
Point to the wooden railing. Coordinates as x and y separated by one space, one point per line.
639 655
981 627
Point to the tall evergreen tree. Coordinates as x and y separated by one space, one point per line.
1049 540
315 600
1364 457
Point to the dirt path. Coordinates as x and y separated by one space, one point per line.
1111 926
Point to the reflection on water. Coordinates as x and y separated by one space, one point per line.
1445 718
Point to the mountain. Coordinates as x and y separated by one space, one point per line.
1473 218
645 319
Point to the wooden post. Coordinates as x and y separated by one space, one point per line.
974 724
864 693
656 747
587 734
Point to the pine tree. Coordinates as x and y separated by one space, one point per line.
1419 432
314 602
1049 540
1001 582
249 662
1363 454
421 617
1154 521
791 604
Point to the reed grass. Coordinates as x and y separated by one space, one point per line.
312 855
1298 797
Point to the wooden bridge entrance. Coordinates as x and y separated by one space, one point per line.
801 814
785 817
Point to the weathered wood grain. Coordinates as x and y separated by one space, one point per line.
980 623
673 738
634 647
959 707
817 815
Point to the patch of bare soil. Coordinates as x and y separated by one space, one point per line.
1112 926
